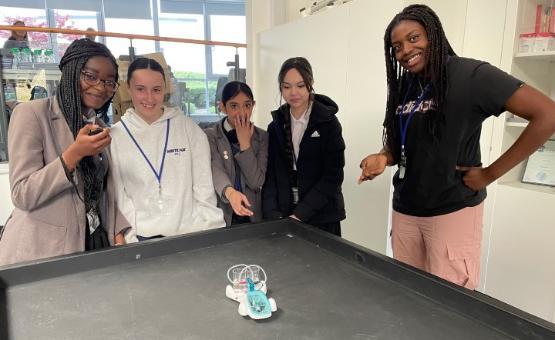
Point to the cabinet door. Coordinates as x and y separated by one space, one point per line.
521 268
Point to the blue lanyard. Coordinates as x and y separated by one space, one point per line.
403 126
157 174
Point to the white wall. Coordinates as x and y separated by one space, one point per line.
292 8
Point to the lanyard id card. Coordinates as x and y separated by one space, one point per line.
403 126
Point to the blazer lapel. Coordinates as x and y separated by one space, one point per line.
63 139
60 129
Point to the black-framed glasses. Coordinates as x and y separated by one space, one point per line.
92 80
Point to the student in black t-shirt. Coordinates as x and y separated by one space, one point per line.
436 104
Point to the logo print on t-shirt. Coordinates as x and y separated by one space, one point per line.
424 107
176 151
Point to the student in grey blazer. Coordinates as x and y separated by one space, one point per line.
60 181
239 156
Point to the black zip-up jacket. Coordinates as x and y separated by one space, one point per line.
319 168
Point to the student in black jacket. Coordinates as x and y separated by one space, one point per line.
306 153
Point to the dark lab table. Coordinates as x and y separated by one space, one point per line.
174 288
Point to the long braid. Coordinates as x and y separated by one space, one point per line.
438 52
69 94
305 70
289 151
69 99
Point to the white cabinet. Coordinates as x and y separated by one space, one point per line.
520 266
521 262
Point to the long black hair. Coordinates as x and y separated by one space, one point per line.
69 99
305 70
303 67
437 53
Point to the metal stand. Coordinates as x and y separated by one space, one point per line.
235 65
131 51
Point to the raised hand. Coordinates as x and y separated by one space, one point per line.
245 130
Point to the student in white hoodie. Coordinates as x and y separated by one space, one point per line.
161 163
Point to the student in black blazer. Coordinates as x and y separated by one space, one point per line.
306 153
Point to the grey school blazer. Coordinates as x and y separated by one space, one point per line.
48 218
252 163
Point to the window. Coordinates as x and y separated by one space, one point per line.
31 17
196 68
129 16
187 61
71 19
230 28
199 67
120 46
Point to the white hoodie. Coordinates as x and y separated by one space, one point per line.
186 177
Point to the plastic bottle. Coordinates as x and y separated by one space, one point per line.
37 56
26 55
49 56
16 57
9 93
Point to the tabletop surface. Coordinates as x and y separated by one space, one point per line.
181 295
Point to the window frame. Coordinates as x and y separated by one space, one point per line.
209 7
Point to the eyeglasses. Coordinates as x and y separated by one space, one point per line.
92 80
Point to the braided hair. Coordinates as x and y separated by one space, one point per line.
437 53
69 99
305 70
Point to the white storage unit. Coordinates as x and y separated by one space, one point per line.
521 260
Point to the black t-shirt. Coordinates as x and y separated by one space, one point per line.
431 185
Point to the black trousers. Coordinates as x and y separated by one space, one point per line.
332 228
98 239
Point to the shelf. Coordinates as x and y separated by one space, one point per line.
516 123
520 124
550 56
15 74
527 186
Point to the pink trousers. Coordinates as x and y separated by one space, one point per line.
447 245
